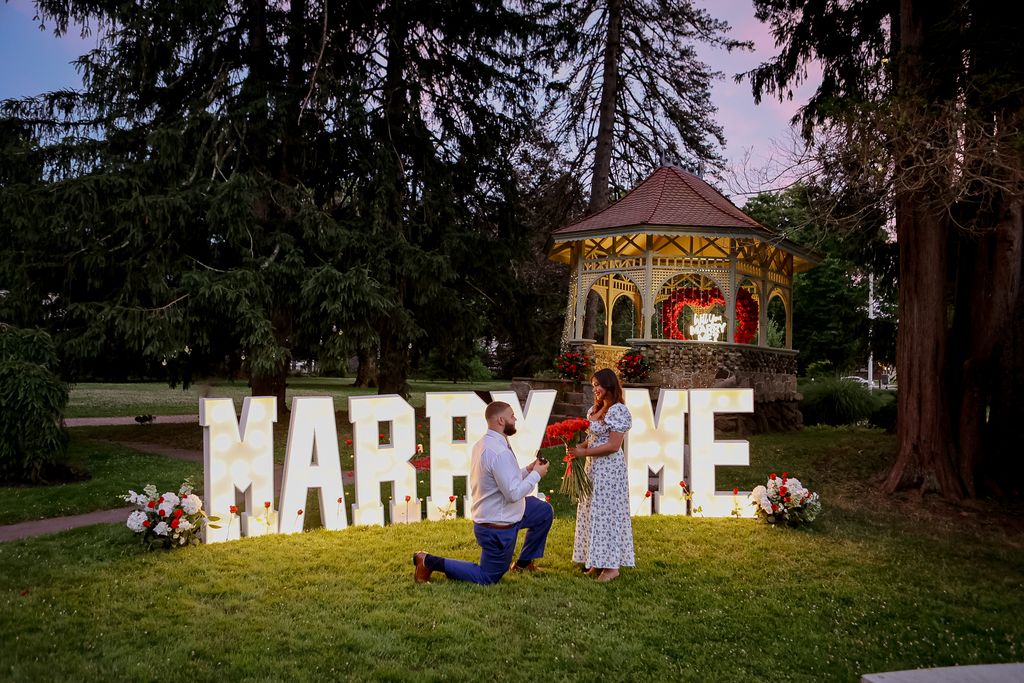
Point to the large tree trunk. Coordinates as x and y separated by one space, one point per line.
393 372
926 459
606 121
272 384
366 374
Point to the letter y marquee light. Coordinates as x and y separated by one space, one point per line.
706 453
531 421
656 443
375 462
238 455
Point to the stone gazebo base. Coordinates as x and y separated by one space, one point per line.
770 372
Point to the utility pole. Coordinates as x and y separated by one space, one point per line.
871 325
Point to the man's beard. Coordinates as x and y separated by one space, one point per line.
509 429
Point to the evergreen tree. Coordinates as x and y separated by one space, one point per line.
629 85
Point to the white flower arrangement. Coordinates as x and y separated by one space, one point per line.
170 520
784 500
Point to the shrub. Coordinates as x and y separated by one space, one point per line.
836 402
32 402
633 367
884 416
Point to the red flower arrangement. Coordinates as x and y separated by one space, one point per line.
575 483
694 297
573 365
633 367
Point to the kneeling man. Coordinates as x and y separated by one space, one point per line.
501 507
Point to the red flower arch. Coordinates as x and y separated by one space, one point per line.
694 297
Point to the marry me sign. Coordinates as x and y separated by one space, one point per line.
238 455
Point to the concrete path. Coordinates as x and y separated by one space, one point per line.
54 525
104 421
983 673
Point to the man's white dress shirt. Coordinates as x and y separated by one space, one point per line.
497 483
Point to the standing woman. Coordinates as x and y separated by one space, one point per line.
604 530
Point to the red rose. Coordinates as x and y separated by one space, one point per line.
160 500
783 490
348 442
146 523
300 511
161 512
784 475
266 504
547 498
682 484
451 499
178 513
233 509
151 504
380 436
648 494
174 523
408 498
735 491
775 508
772 476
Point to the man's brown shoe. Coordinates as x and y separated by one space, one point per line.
421 573
532 568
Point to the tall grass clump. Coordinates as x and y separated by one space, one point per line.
836 402
32 403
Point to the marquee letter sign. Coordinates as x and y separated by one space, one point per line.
239 455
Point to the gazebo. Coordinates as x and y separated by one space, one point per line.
685 276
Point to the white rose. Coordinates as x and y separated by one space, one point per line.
135 521
161 529
191 504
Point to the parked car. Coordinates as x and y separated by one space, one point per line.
859 380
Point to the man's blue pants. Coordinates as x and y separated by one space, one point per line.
498 545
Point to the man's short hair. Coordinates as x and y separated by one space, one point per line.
495 408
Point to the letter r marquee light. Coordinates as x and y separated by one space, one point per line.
238 455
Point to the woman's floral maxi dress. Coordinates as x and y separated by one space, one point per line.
604 530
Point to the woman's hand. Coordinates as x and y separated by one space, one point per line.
576 451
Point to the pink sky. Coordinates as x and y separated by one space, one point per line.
35 61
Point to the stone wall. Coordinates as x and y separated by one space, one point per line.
771 373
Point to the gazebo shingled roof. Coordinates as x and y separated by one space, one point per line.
672 200
669 196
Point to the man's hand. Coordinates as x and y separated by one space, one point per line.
541 468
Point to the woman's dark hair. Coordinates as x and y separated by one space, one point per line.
609 381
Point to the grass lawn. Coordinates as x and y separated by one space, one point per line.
114 470
156 398
877 583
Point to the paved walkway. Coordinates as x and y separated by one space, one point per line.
982 673
104 421
54 525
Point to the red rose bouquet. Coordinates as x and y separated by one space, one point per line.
576 484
